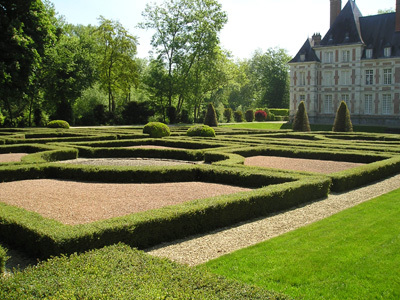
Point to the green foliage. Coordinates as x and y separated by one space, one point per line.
136 112
211 117
280 112
301 122
228 114
201 130
238 116
119 272
3 259
156 130
249 115
351 255
342 120
58 124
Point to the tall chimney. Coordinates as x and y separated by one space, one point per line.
336 8
397 15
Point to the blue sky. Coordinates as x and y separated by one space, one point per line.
252 24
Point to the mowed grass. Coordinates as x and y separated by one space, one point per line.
354 254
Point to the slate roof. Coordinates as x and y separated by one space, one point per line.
350 27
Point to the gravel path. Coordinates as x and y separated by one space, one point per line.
202 248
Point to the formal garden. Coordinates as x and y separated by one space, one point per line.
87 201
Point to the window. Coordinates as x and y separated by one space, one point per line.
328 104
368 53
329 57
387 76
302 57
369 77
387 52
368 105
302 98
302 81
328 78
345 77
346 56
387 104
346 99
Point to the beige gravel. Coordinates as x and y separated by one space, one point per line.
202 248
300 164
75 203
12 157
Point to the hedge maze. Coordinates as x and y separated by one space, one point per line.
222 158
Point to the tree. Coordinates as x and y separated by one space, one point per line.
270 73
342 120
118 69
211 116
301 122
25 33
69 69
186 32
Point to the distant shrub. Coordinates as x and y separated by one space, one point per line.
3 259
201 130
238 116
156 129
136 112
260 115
342 120
211 116
228 114
280 111
172 114
249 115
301 122
58 124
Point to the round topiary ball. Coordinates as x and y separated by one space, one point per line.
58 124
201 130
156 130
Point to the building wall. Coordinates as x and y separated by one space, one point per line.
342 74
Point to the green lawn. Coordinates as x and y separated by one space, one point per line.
352 255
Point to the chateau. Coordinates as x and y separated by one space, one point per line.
357 61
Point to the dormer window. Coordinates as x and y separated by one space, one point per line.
368 53
387 52
302 57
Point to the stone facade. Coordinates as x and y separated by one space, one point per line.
344 67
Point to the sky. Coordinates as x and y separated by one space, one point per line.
252 24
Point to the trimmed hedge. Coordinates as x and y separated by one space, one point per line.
42 237
58 124
201 130
156 130
3 259
139 276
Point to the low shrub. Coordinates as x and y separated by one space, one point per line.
58 124
260 116
201 130
238 116
249 115
156 130
93 275
3 259
283 112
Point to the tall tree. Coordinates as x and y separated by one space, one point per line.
25 32
118 69
185 30
270 73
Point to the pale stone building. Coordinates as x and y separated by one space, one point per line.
357 61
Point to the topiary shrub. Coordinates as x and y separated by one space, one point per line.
228 114
238 116
156 130
301 122
211 116
260 116
201 130
249 115
3 259
58 124
342 120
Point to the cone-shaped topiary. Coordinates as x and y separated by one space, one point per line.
342 120
211 116
301 122
228 114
